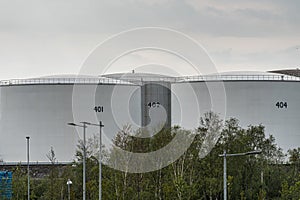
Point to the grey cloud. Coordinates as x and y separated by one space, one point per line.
278 59
58 34
79 16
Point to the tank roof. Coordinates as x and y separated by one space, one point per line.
139 78
242 76
291 72
65 79
245 73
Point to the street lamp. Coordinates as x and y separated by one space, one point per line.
69 183
84 126
100 155
224 155
28 178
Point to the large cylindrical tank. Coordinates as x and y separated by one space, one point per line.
156 95
268 99
41 109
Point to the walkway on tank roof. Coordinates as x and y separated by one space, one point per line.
140 78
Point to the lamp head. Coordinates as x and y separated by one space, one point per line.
86 123
254 152
69 182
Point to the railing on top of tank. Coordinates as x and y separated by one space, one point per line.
238 78
100 80
124 81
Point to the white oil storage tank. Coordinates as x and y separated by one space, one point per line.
253 98
42 107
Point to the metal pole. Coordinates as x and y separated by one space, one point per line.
69 196
100 152
28 177
84 157
100 161
224 155
69 183
225 176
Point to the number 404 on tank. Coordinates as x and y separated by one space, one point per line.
281 104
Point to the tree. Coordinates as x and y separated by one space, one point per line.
198 173
294 160
291 192
19 184
54 183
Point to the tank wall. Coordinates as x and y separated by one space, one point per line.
43 111
155 98
273 104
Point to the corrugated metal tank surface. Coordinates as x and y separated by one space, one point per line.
275 104
155 95
43 111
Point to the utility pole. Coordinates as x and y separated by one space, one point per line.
224 155
69 183
101 125
100 160
28 175
84 126
225 176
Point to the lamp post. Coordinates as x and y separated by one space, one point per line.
69 183
84 126
28 177
224 155
100 155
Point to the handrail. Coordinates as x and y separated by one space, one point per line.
238 78
131 81
52 81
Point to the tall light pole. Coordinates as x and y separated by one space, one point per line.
225 175
84 126
100 156
69 183
28 177
224 155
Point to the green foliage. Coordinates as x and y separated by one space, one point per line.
19 184
290 191
197 174
291 185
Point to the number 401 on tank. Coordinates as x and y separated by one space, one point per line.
98 109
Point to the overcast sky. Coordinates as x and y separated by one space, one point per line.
39 37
